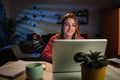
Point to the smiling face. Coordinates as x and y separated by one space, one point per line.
69 28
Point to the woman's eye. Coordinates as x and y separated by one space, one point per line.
66 24
73 25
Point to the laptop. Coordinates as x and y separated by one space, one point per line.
64 51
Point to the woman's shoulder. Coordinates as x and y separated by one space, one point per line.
82 37
55 36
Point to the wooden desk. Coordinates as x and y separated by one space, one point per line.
48 75
47 71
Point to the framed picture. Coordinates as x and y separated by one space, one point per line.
82 16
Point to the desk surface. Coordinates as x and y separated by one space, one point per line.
48 75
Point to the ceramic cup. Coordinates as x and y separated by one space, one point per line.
34 71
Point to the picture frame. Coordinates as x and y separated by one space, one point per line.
82 16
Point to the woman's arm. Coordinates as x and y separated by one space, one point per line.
47 52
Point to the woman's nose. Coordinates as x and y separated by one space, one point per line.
70 26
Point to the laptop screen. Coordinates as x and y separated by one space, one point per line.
64 51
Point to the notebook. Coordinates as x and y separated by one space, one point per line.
14 69
64 51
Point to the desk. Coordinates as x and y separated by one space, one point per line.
47 71
48 75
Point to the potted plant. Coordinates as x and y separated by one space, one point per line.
93 65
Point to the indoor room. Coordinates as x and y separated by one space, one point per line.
22 22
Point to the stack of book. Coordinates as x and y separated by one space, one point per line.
115 64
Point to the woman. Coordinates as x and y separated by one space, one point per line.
69 30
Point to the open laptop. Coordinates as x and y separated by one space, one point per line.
64 51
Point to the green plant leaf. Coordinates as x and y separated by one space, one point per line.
92 59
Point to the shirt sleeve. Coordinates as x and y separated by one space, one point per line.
47 52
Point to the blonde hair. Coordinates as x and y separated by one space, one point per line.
77 32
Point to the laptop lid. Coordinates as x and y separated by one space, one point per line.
64 51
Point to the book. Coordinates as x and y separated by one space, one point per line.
115 60
114 64
14 69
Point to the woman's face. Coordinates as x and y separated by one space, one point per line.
69 28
